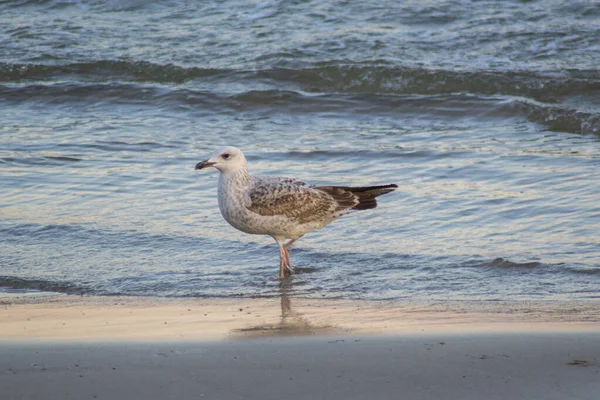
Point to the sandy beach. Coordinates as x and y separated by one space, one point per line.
73 347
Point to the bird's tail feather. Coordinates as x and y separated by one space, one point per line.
365 195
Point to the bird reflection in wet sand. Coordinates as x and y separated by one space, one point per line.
290 324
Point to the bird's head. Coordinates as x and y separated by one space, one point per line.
226 159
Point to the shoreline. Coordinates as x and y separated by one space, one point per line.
90 318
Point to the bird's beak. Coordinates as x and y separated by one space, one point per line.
204 164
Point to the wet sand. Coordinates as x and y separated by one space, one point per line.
76 318
71 347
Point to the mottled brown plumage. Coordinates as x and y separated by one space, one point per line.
304 203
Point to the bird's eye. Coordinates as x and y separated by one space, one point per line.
226 156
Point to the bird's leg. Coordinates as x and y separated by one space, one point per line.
286 247
283 260
288 263
290 243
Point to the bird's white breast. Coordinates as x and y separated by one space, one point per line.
231 200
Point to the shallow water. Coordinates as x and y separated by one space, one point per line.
485 114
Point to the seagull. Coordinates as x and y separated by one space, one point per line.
283 208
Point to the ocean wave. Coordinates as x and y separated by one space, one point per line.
503 263
41 285
327 87
558 119
83 94
378 77
85 5
583 270
101 70
555 117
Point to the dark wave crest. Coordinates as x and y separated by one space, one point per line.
540 97
333 76
503 263
41 285
559 119
102 70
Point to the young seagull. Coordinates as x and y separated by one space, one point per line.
283 208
